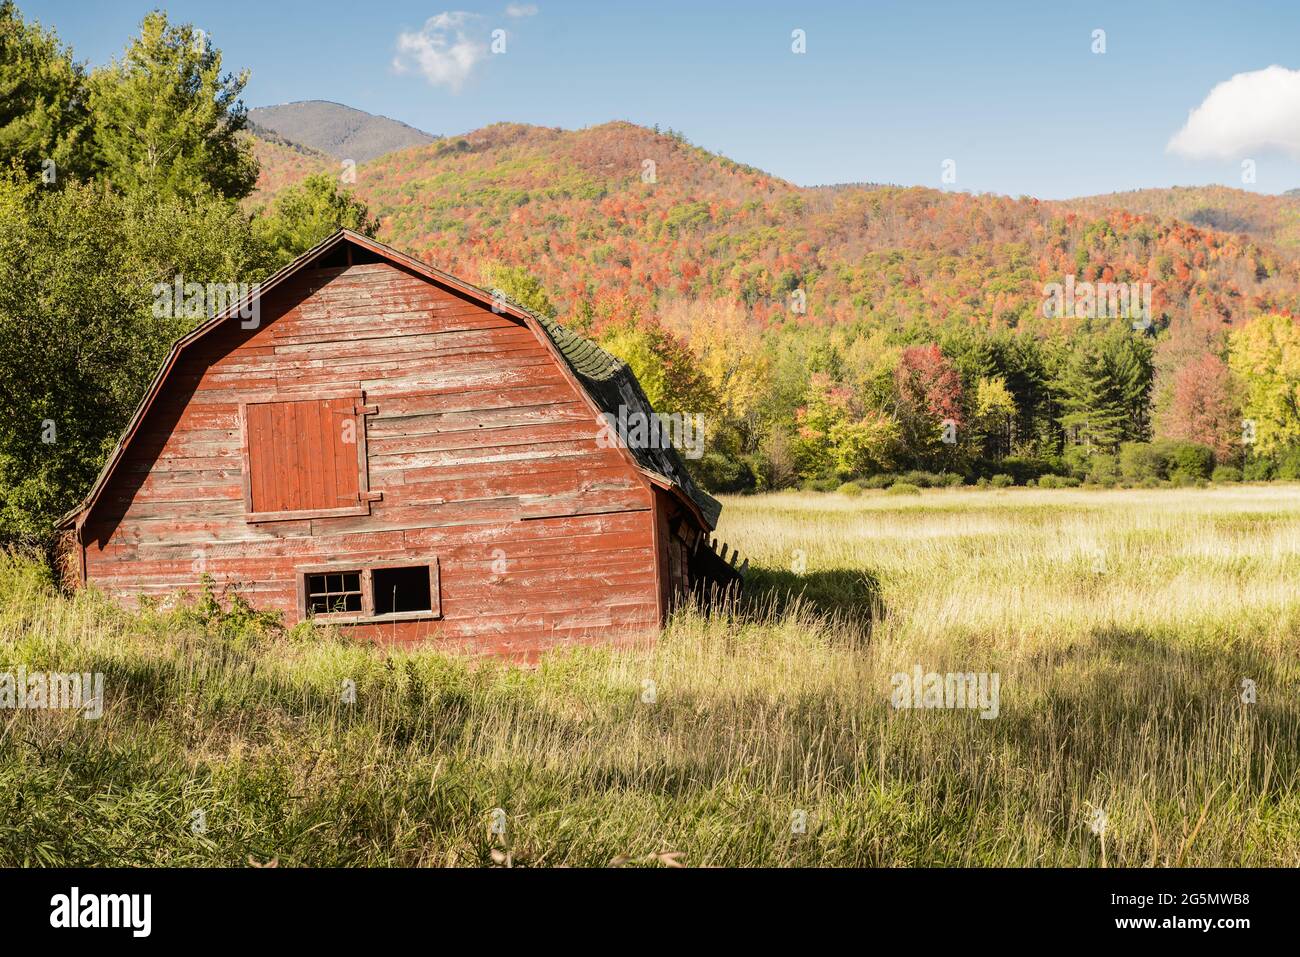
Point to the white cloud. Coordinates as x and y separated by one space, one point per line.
440 50
518 10
1250 113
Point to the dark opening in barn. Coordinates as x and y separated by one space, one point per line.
399 590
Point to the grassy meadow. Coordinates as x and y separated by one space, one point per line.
1121 622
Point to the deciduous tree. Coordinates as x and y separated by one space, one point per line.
305 214
929 394
1265 355
79 337
1204 407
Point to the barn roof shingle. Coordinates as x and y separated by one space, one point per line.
614 386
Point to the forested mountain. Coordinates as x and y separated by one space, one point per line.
576 210
284 163
828 334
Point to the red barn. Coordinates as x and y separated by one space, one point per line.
396 451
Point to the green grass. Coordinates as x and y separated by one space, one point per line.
1121 623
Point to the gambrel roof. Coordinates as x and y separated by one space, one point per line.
606 382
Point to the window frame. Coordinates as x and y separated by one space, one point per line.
341 573
367 569
364 494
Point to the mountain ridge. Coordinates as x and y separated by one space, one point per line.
1271 217
336 129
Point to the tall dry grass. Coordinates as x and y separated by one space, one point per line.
1121 623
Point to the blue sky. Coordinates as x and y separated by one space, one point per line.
887 91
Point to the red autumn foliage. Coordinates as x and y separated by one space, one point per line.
928 383
1203 408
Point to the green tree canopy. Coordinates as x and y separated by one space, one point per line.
43 110
667 370
1104 384
305 214
520 286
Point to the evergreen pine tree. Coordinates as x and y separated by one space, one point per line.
1091 400
167 120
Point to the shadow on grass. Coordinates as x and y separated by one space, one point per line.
1133 702
843 595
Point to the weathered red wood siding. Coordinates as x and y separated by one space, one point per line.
484 452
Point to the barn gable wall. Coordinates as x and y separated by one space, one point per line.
484 454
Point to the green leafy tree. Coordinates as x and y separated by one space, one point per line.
834 437
43 113
167 120
305 214
665 367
